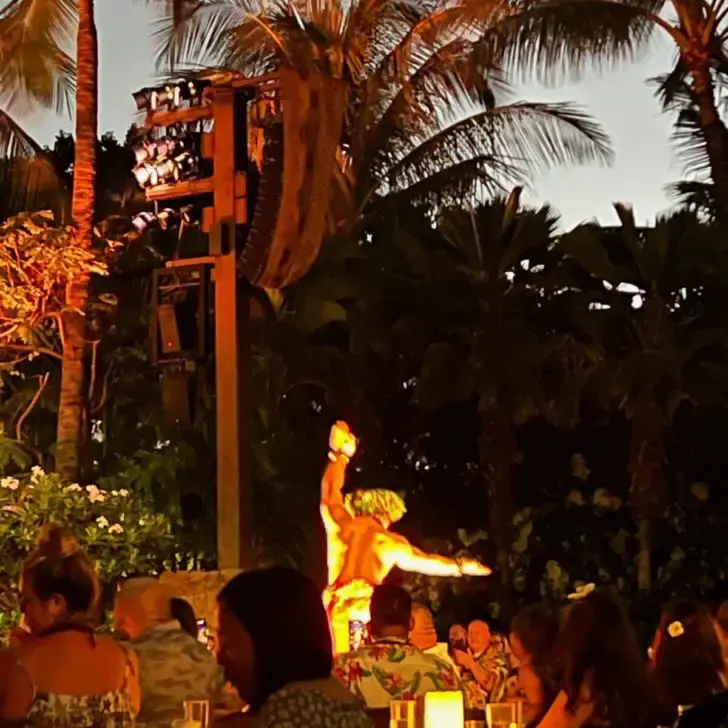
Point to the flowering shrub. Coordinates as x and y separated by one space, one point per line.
116 528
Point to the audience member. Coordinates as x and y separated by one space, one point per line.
184 613
457 638
484 666
67 675
534 631
424 635
275 647
689 667
605 680
173 665
391 667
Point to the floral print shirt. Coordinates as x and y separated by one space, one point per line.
393 669
112 710
295 708
496 663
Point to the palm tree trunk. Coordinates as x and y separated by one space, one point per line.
715 135
72 404
648 482
497 444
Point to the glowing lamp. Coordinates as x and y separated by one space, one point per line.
444 710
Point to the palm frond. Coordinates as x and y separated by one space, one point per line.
27 177
556 39
524 135
196 32
35 67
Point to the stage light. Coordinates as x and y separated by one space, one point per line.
167 218
142 99
142 221
146 174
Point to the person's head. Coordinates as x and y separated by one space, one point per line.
184 613
141 604
533 634
423 633
597 643
58 583
479 637
385 506
391 611
457 637
273 630
687 656
534 631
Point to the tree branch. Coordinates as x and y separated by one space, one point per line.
31 405
40 350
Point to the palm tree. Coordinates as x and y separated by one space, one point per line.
692 88
499 343
35 71
425 114
72 403
658 350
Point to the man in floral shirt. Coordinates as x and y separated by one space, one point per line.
391 667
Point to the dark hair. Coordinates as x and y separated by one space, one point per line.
184 613
597 649
537 629
391 606
688 666
282 611
58 567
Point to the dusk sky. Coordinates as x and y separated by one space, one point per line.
621 100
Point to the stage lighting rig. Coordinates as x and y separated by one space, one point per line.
171 158
175 95
167 218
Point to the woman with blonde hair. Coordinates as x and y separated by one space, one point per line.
67 674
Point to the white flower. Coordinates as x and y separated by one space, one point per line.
10 483
36 473
73 488
582 592
114 493
94 494
103 523
116 528
123 492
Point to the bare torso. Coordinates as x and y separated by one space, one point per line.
361 549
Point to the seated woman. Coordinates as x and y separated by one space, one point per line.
605 680
534 631
689 667
275 647
67 675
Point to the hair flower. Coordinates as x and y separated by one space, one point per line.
675 629
582 592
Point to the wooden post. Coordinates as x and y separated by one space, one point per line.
231 352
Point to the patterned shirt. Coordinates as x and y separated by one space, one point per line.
173 667
295 708
495 662
393 669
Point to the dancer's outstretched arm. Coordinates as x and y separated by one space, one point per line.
410 558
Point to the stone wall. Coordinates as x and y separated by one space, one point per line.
200 589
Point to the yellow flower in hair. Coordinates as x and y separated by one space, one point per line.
676 630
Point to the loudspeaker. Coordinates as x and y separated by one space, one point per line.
168 329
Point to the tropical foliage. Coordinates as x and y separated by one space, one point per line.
118 529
